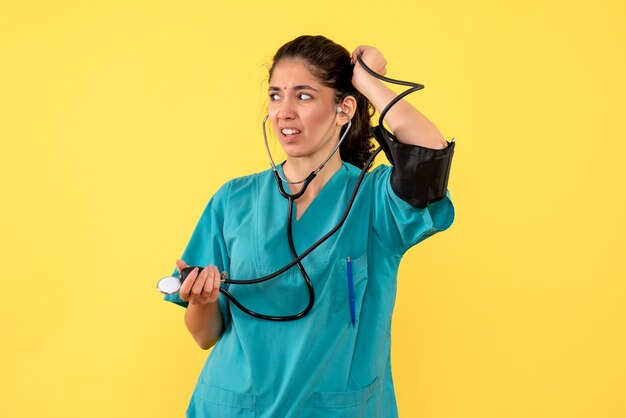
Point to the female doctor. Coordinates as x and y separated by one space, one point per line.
334 361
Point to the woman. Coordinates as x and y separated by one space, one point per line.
335 361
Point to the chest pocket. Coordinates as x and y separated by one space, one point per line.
341 286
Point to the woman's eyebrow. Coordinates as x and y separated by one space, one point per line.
299 87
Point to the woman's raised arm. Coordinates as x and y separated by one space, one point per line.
405 121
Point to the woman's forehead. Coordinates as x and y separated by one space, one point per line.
292 72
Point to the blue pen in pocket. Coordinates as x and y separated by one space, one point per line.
351 292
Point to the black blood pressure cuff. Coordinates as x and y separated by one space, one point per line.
420 175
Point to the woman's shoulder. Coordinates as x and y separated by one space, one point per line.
244 184
249 179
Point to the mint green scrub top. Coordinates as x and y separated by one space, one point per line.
320 365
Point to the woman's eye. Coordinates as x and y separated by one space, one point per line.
304 96
274 97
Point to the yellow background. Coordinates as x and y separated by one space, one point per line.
119 119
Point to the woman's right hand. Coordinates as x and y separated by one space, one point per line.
201 288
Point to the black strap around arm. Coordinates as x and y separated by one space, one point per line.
420 175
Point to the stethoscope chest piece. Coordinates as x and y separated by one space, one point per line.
169 285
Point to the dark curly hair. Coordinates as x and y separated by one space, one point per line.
330 63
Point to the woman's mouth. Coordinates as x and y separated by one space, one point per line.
290 133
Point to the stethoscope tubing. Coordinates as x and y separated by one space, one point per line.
319 241
414 87
297 258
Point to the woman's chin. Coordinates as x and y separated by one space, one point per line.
296 155
295 151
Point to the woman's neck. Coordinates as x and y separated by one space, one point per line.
296 169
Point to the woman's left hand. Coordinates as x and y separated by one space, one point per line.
372 58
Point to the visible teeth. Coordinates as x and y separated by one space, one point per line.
290 131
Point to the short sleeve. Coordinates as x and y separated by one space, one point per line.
207 245
398 224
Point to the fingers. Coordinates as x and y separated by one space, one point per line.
362 50
358 51
216 286
372 57
201 287
180 264
185 289
196 289
211 290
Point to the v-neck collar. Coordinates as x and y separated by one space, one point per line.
325 191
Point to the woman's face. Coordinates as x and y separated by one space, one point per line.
303 111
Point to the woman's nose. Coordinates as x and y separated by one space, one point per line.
286 109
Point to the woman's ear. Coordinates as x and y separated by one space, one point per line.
346 107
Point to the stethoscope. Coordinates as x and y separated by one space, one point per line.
172 284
